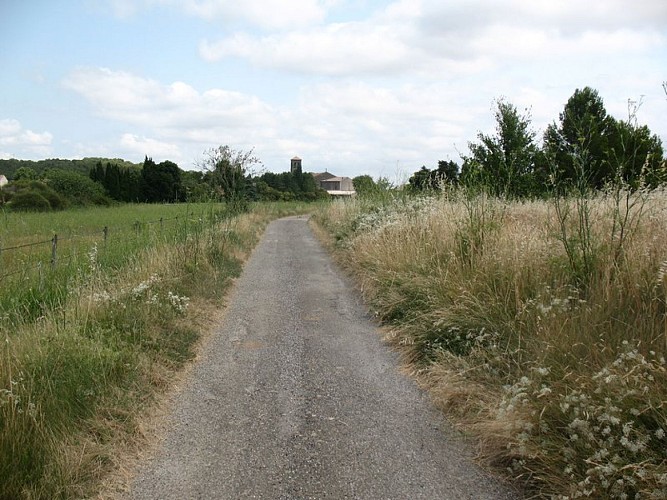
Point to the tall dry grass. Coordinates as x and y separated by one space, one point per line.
557 367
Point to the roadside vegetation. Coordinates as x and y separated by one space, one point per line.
88 346
526 288
527 291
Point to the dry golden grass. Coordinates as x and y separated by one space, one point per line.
560 373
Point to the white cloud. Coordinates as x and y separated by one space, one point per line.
23 141
175 119
9 128
353 128
337 49
143 146
431 36
174 111
565 16
264 13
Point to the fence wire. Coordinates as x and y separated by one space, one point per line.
55 259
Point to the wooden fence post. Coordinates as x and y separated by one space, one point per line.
41 276
106 235
54 250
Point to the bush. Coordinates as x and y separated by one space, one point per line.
33 195
29 201
76 188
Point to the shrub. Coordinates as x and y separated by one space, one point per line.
77 188
32 195
29 201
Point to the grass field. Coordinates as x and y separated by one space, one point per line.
539 327
35 275
89 346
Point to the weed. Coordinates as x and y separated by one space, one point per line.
541 326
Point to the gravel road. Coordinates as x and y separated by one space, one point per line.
296 397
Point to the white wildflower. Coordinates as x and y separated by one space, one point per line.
92 258
177 302
145 285
542 371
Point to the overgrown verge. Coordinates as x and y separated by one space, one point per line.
75 381
538 326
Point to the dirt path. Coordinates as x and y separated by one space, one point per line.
296 398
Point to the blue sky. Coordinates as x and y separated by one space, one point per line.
355 87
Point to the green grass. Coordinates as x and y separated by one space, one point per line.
87 349
31 281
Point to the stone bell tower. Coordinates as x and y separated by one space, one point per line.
295 165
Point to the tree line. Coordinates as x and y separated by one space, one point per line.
226 174
585 149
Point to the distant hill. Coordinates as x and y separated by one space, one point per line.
8 167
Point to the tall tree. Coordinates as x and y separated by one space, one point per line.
364 185
448 171
161 182
422 179
503 163
577 146
635 155
112 181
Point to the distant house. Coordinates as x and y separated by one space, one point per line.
335 186
342 184
3 181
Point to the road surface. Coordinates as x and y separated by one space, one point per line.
296 397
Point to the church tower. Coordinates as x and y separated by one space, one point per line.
295 166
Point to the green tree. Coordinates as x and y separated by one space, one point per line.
364 185
448 171
33 195
130 184
636 155
97 173
578 145
25 173
503 163
228 171
422 179
112 181
195 187
161 182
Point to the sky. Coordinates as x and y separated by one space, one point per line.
351 86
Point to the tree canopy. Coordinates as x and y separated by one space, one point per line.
504 162
586 148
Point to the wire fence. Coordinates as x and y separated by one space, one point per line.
26 258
